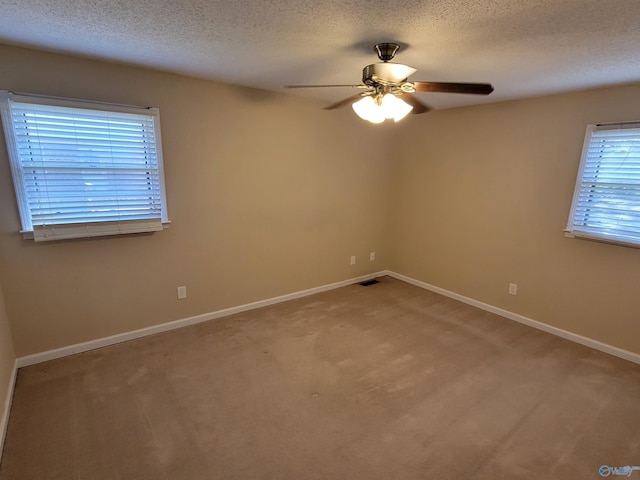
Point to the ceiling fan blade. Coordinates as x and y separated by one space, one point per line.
344 102
322 86
444 87
418 106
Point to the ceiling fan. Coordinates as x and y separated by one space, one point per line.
387 92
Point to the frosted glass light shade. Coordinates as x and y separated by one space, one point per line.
367 109
394 107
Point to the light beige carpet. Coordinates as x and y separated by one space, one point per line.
381 382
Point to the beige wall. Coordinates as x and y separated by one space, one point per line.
268 194
481 198
7 360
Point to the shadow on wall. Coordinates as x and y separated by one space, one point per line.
254 95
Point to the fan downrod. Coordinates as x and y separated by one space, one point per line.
386 51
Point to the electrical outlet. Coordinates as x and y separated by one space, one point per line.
513 288
182 292
353 259
372 256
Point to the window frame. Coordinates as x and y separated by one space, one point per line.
86 227
601 234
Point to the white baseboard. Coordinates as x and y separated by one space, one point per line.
4 421
574 337
123 337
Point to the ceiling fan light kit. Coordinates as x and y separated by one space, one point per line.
387 94
381 108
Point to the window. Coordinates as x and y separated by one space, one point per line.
606 201
84 169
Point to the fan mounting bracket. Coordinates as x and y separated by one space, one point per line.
386 51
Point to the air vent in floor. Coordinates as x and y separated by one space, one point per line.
369 282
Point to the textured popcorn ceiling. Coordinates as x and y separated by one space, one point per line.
523 47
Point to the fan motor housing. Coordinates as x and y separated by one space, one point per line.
386 72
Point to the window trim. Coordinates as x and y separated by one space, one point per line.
570 230
88 228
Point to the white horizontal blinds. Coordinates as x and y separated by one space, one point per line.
607 203
87 172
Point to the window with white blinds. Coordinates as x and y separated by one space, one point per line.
84 169
606 202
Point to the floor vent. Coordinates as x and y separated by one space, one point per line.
369 282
